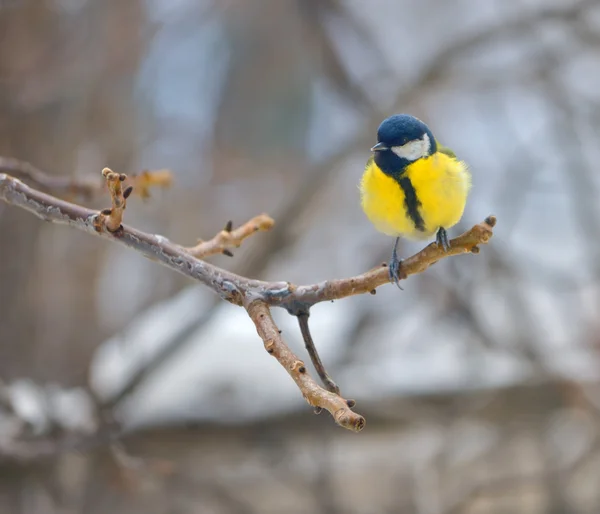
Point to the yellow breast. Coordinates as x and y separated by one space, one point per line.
441 184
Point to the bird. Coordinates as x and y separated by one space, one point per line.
412 186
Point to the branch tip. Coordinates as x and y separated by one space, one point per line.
230 237
491 220
112 218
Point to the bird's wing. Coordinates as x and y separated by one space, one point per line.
445 150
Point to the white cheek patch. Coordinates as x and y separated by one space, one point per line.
413 150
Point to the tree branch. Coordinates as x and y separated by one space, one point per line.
336 289
255 295
315 395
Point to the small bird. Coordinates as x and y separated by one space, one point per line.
412 186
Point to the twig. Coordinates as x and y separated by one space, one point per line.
314 355
315 395
111 218
254 295
229 238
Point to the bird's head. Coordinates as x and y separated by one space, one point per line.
401 140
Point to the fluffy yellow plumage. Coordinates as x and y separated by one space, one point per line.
412 187
441 184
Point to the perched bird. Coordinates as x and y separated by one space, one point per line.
412 186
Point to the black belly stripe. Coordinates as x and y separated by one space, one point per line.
411 203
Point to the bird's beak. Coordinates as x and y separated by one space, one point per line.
379 147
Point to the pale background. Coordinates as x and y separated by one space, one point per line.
479 381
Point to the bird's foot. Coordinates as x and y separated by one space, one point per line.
394 271
395 267
441 238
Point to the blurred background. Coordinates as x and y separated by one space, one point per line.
479 381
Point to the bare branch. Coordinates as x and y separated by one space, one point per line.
27 450
255 295
305 296
229 238
315 395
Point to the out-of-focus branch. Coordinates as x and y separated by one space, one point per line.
521 24
82 187
33 449
229 238
85 187
143 182
255 295
315 395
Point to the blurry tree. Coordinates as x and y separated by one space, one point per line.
67 72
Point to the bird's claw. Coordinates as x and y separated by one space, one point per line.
441 238
394 271
394 266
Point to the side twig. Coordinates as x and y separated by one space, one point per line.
229 238
329 384
111 218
